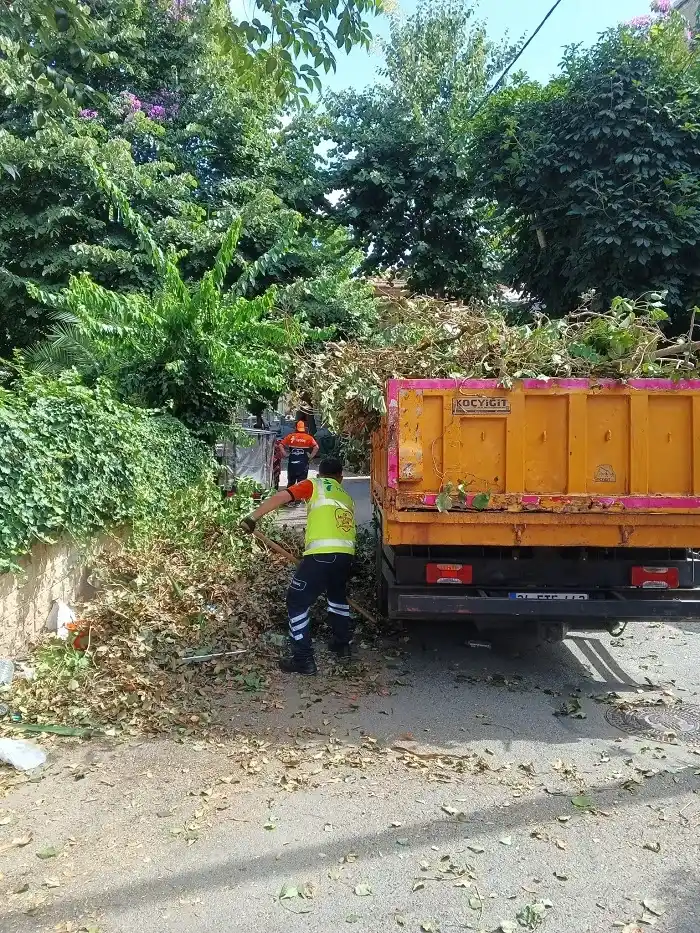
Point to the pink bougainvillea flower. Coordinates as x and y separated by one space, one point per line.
131 101
155 111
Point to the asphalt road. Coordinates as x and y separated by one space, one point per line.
444 795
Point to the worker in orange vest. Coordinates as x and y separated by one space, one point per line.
301 448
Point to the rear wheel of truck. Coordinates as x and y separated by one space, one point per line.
382 587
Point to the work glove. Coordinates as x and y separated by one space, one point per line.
248 524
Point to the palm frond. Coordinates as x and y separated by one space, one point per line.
65 348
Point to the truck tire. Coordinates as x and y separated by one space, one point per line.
381 586
383 597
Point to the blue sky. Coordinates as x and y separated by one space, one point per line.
573 21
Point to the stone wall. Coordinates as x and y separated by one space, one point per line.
51 571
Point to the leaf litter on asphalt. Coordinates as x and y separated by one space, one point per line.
48 852
290 894
654 906
533 915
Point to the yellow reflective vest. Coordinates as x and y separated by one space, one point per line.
330 524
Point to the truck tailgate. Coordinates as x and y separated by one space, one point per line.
557 462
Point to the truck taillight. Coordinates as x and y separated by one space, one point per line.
655 578
448 573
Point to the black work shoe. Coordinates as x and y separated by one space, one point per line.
294 664
342 652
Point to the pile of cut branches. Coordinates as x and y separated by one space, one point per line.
429 338
198 589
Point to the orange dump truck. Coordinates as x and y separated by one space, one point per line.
564 503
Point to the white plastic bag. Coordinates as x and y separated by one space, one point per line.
60 617
21 755
7 671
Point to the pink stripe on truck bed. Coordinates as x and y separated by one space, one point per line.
394 385
632 503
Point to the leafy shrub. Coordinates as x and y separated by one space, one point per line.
74 459
196 350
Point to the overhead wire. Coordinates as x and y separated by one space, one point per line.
504 74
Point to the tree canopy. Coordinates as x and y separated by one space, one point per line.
181 106
597 174
398 155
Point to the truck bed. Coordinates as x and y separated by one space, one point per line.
556 463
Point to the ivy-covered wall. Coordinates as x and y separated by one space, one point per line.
73 459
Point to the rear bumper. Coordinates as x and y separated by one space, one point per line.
424 602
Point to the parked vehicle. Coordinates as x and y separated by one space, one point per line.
559 504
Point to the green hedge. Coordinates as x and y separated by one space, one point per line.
74 459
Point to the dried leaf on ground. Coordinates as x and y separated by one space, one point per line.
582 802
17 843
48 852
288 891
571 708
363 889
654 906
533 915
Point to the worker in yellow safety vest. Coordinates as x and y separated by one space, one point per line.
325 566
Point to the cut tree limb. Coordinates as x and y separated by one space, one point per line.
676 351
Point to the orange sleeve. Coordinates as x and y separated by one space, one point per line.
301 492
286 441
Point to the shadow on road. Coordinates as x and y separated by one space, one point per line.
683 897
431 684
436 830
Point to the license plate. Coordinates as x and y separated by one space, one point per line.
548 595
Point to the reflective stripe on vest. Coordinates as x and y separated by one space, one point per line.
327 501
324 545
330 525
